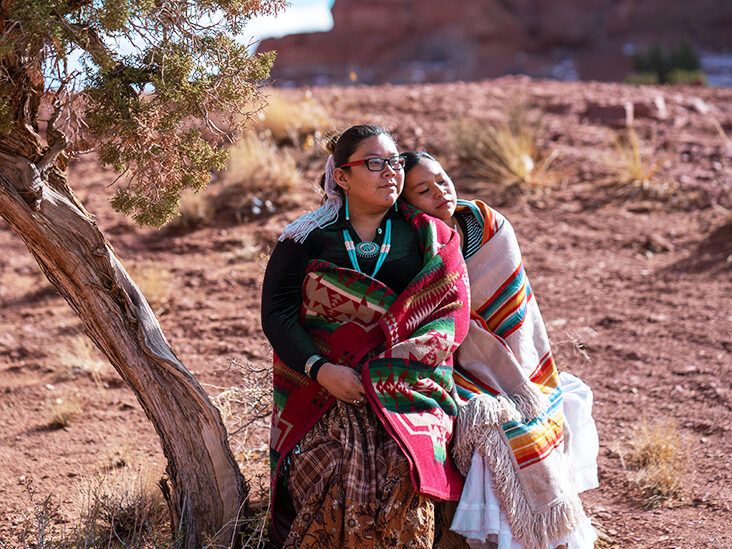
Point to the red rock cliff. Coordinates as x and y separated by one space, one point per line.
437 40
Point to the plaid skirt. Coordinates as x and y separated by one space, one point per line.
350 487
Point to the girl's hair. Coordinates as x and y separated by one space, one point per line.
412 158
343 146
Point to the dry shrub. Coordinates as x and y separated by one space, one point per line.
657 461
632 162
258 178
293 121
79 356
122 508
245 410
155 282
195 210
506 152
64 410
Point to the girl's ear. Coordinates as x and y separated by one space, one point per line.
341 178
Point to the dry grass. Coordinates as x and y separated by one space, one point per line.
259 178
657 461
64 410
506 152
257 181
155 282
292 121
245 411
123 509
79 356
632 162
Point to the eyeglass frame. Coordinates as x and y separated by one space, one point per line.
385 162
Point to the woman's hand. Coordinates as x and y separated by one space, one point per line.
342 382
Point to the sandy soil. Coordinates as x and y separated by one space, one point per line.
636 290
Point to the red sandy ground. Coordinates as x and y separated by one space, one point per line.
636 292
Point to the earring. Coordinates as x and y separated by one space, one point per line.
396 205
348 215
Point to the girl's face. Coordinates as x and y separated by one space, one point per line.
371 191
428 187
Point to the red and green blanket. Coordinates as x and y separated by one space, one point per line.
402 345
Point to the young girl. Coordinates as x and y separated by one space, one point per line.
525 438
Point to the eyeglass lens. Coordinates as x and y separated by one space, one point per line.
377 164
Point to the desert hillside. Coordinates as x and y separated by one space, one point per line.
627 239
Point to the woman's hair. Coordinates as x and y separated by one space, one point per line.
412 158
343 146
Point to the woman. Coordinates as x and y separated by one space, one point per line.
527 451
364 302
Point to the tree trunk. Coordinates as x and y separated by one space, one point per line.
205 490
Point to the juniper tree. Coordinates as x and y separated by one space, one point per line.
154 87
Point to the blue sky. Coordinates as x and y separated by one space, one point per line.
300 16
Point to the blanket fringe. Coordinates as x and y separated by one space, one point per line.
529 400
479 430
480 414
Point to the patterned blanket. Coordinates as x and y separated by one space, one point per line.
402 345
506 372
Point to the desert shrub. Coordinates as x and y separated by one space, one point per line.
687 77
679 65
258 181
505 152
293 121
79 356
631 162
643 78
156 283
64 410
122 509
259 178
656 459
125 507
246 410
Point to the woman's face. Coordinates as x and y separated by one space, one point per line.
428 187
371 191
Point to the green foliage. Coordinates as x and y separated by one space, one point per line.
160 114
643 78
687 77
664 65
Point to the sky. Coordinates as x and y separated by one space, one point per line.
300 16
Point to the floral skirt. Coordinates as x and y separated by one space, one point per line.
350 487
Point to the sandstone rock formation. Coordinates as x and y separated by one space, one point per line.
434 40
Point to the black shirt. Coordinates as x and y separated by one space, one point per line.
283 279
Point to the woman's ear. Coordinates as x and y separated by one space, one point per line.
341 178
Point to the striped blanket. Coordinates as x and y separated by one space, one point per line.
402 345
507 375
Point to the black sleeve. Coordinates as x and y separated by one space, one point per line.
281 300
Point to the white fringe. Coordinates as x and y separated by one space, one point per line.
299 229
481 414
529 400
479 430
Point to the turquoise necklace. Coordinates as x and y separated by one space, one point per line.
368 250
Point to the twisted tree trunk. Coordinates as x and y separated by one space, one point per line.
205 490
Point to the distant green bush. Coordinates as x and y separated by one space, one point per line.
680 65
686 77
642 78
